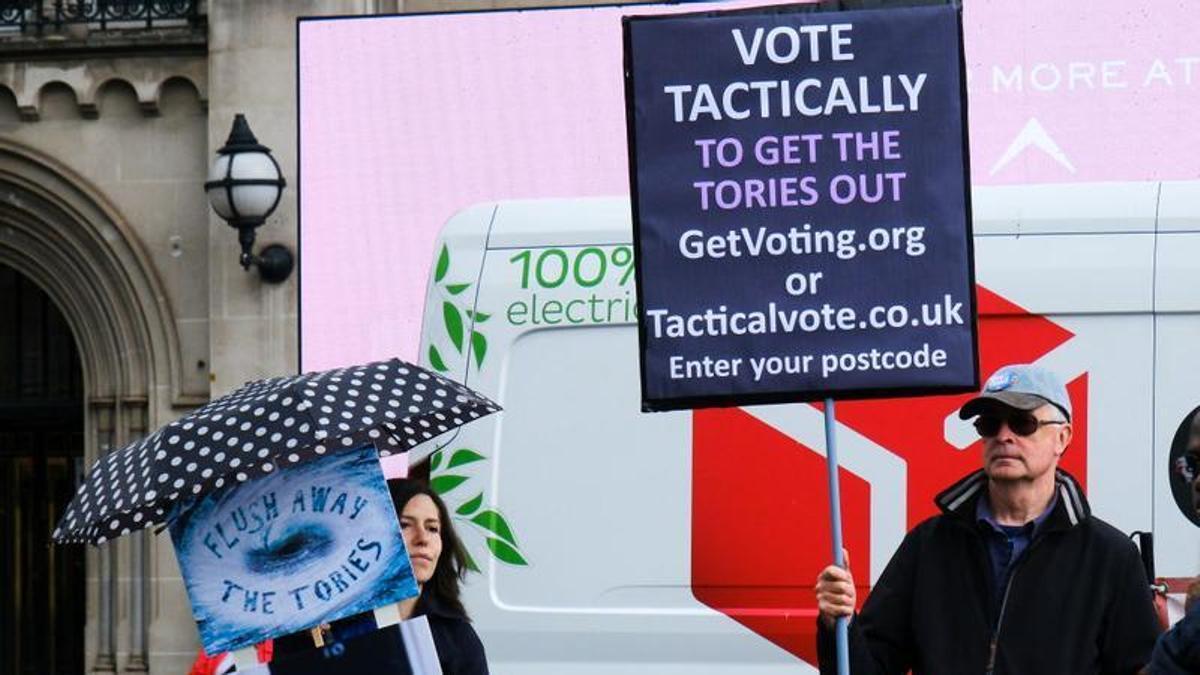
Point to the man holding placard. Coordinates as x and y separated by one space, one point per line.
1015 575
801 209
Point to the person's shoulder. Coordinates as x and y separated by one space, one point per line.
457 628
458 643
937 525
1178 650
452 622
1106 534
1104 542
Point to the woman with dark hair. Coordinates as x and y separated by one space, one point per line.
439 564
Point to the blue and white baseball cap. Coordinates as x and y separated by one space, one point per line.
1023 386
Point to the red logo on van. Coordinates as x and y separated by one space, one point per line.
760 513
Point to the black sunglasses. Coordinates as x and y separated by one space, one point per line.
1022 423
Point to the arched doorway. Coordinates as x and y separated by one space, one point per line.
42 609
61 235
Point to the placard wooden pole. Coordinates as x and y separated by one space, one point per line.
835 512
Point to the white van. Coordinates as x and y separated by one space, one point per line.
611 540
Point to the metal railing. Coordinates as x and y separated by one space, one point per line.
35 16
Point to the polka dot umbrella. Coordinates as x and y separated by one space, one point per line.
261 426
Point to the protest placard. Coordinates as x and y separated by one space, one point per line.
300 546
801 206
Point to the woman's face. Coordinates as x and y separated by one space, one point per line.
422 529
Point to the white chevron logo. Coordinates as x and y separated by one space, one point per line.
1032 134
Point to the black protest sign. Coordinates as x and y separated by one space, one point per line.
801 206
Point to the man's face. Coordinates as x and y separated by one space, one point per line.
1010 456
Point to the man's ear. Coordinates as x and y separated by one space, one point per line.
1065 433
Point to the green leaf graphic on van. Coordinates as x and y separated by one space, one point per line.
446 483
505 552
463 456
470 561
435 360
454 324
490 520
479 346
493 525
443 264
471 506
462 333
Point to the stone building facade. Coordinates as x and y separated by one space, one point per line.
117 279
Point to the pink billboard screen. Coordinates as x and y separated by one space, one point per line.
407 120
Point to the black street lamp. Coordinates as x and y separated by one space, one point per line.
244 186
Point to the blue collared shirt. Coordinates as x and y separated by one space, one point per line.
1006 543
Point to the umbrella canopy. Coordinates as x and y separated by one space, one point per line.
260 426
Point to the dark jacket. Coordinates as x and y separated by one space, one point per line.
1077 600
1178 650
459 649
